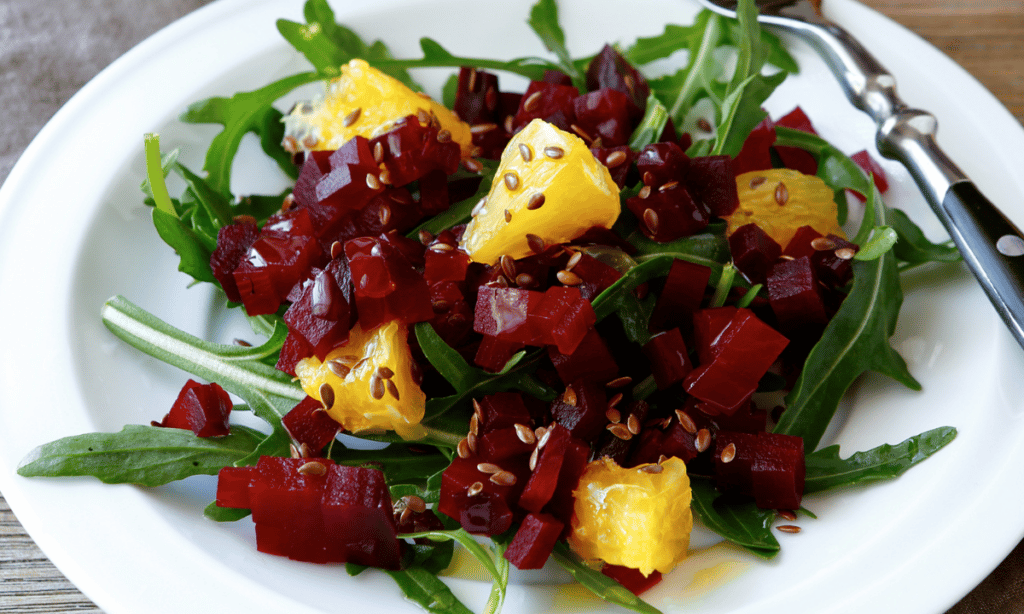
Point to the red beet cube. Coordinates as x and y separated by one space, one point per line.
233 243
609 69
669 214
308 424
617 448
577 454
832 270
548 101
669 359
604 116
287 510
712 182
797 120
708 326
794 157
800 244
534 541
768 466
541 485
866 162
473 500
591 359
316 165
200 408
411 150
756 155
681 295
295 348
387 287
323 314
794 294
233 486
661 163
494 353
596 276
565 316
502 410
582 409
632 579
504 313
476 96
745 350
753 252
359 518
502 443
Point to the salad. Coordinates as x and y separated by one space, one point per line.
660 375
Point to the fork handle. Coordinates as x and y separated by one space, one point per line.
992 246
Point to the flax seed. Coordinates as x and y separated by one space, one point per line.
614 416
525 280
392 389
788 528
729 453
508 123
352 117
615 159
644 192
372 182
822 244
504 478
619 382
511 180
651 220
633 424
474 424
569 397
338 368
471 442
620 431
313 468
582 133
423 116
473 166
787 515
414 503
543 435
440 247
294 451
756 182
525 434
326 394
491 99
475 489
488 468
615 400
525 152
686 422
508 216
845 253
702 440
703 124
657 468
535 243
568 278
781 194
463 449
531 102
444 136
554 152
536 201
482 128
378 152
384 214
671 185
533 458
376 387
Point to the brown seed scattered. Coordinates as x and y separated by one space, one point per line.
508 216
509 124
414 503
288 203
703 440
440 247
788 528
531 102
573 260
652 468
614 416
619 382
582 133
337 249
376 388
491 99
338 368
243 343
533 458
473 166
756 182
426 237
535 243
401 197
372 182
444 136
644 192
703 124
352 117
536 201
508 266
488 468
686 422
423 116
471 442
615 400
313 468
405 516
349 359
385 177
384 213
651 220
554 152
392 389
525 280
787 515
633 424
569 278
822 244
294 451
504 478
569 396
615 159
729 453
290 144
628 81
477 409
474 424
525 152
463 449
846 253
475 489
781 194
671 185
620 431
326 394
543 435
511 180
378 152
482 128
525 434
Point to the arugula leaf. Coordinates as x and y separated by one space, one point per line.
144 455
268 392
436 56
423 587
156 171
217 513
680 90
544 22
913 247
601 585
675 37
492 560
399 462
743 524
652 125
826 470
882 240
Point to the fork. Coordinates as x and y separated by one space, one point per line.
991 245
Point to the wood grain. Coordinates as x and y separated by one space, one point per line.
983 36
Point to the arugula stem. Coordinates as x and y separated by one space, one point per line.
155 173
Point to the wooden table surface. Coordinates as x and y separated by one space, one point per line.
986 37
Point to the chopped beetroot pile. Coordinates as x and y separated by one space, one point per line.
203 409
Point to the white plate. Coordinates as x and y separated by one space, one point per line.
73 232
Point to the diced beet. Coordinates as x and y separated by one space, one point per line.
768 466
591 359
323 313
359 519
681 295
747 419
800 244
753 252
233 486
434 192
634 581
756 155
604 116
418 522
668 214
469 497
200 408
411 150
233 243
661 163
708 326
866 162
476 96
494 353
308 424
577 454
502 410
287 510
499 444
669 359
562 318
343 189
541 485
295 348
504 313
596 276
794 157
316 165
453 319
582 409
832 270
745 350
712 182
548 101
795 296
609 69
387 287
534 541
556 77
618 447
618 160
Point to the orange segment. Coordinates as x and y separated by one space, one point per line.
782 200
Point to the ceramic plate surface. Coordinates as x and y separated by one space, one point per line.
73 232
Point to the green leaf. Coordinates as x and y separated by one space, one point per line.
424 588
544 22
741 112
144 455
674 38
743 524
882 240
448 362
436 56
651 126
826 470
399 462
191 249
601 585
155 174
269 393
217 513
491 559
912 245
240 114
614 296
680 90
